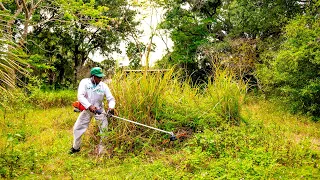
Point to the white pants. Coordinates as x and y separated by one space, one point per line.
82 125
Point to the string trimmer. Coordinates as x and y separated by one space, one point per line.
108 114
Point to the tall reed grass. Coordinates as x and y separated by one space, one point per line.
225 96
163 100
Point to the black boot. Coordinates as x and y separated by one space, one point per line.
72 150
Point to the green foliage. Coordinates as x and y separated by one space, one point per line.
162 100
27 140
250 151
12 60
139 97
49 99
197 108
36 98
294 71
190 28
65 33
271 145
13 101
134 53
13 158
199 27
213 142
250 18
226 96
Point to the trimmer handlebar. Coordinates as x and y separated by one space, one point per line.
99 111
108 114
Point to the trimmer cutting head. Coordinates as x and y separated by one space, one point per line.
173 137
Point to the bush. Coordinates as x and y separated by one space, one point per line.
294 72
18 100
48 99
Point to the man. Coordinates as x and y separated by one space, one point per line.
91 92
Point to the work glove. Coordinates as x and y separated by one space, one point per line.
92 109
111 111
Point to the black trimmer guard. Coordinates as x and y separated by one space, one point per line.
173 137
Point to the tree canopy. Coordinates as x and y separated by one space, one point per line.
59 35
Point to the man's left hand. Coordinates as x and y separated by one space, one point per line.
111 111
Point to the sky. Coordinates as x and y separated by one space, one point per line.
149 19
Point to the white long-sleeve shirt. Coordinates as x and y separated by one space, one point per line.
90 94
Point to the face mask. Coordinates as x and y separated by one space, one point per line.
93 81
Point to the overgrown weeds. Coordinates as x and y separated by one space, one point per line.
163 101
18 100
271 144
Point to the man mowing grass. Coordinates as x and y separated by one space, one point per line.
91 92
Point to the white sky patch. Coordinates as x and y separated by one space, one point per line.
149 19
186 6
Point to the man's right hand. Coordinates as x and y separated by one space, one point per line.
92 108
111 111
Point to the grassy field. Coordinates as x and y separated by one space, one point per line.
269 143
223 133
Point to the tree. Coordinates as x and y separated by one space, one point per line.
20 13
260 19
74 29
294 71
190 23
12 62
134 53
237 55
196 27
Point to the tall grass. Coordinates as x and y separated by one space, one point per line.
160 100
272 144
48 99
225 96
18 99
166 102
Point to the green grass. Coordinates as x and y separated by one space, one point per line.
164 101
266 147
220 137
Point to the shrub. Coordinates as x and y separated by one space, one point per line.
294 72
48 99
18 100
